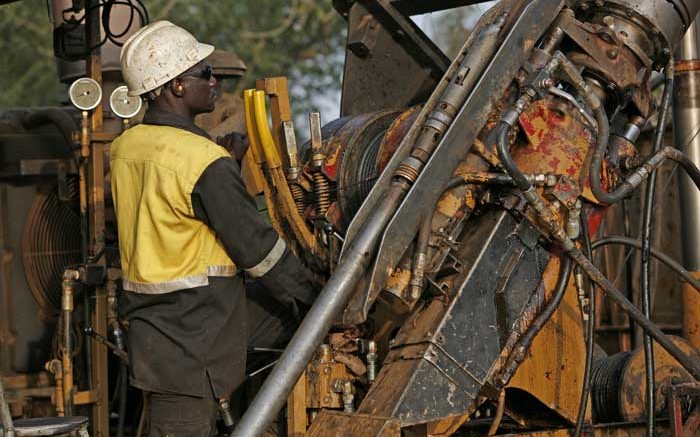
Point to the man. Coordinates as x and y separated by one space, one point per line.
187 231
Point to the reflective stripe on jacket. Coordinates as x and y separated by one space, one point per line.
163 246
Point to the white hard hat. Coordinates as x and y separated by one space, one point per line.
158 53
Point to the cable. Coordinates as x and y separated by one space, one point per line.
105 17
647 221
590 332
665 259
540 320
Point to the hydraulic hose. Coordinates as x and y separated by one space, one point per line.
550 222
647 221
590 334
542 318
636 177
665 259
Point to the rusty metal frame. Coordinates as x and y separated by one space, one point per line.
457 141
675 394
409 68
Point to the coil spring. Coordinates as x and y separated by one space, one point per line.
323 193
299 198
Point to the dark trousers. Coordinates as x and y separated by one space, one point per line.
174 415
271 323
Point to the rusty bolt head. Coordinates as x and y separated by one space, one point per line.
612 53
547 83
327 370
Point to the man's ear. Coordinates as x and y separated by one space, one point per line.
177 87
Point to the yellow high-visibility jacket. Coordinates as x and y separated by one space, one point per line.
163 246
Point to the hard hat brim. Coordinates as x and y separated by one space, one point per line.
203 50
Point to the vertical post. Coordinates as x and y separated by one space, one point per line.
7 334
686 120
296 409
98 352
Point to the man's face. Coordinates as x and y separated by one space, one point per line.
200 88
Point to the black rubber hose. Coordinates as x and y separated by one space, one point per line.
519 178
665 259
552 305
647 222
57 117
590 333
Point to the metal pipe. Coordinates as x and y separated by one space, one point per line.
329 304
54 367
420 259
667 260
686 125
566 96
647 221
67 295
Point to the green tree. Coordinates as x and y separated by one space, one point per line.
301 39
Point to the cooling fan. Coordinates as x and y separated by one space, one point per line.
50 243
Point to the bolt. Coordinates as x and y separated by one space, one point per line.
612 53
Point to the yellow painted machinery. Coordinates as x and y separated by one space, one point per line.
463 214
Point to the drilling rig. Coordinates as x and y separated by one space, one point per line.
455 211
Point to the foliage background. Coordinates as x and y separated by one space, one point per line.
302 39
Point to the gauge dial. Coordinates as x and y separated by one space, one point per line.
85 94
122 105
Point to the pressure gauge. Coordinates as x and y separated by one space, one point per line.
85 94
122 105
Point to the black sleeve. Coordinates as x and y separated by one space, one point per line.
221 201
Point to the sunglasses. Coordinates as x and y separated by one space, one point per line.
205 73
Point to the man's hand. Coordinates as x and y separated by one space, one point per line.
236 143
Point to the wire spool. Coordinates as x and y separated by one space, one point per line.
50 243
667 371
618 384
605 387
